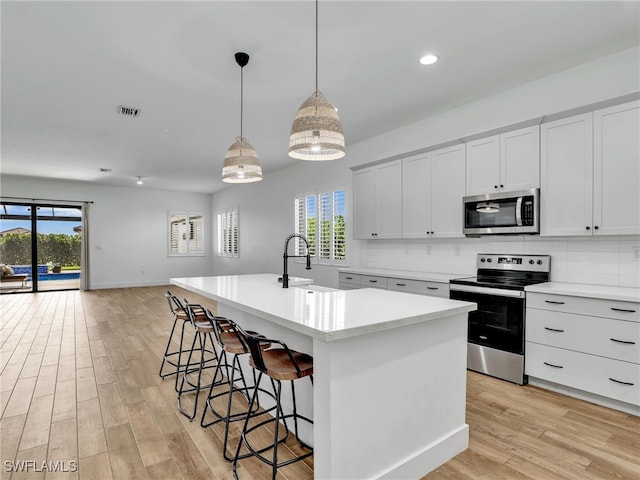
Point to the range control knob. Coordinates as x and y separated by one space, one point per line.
539 262
482 260
488 260
531 262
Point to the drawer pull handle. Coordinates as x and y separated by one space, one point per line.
626 342
556 330
622 310
555 303
483 337
620 381
552 365
401 284
349 278
432 288
373 281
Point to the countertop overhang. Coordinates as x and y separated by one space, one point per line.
326 315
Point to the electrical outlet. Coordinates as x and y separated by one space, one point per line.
636 253
428 249
456 250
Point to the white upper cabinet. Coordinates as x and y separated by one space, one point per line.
447 190
416 196
567 175
591 173
616 170
432 191
378 201
505 162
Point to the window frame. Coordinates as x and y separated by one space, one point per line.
301 218
191 248
230 218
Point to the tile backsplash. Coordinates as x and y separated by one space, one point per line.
607 260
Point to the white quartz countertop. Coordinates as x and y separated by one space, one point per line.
605 292
325 314
426 276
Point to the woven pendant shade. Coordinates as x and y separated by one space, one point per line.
241 164
316 133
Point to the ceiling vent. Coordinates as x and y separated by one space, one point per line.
129 111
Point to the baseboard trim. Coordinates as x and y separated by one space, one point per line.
421 463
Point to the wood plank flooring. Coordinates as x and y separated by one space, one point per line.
81 398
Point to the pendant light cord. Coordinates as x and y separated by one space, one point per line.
241 97
316 45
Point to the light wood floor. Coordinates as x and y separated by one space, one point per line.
79 386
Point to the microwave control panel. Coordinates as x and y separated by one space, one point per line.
527 211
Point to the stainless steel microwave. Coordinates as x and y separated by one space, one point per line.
502 213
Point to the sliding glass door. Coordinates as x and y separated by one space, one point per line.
41 245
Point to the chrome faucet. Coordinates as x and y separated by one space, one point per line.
286 256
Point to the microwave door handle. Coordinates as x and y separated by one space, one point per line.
519 211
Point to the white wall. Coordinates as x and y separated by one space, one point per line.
266 208
128 229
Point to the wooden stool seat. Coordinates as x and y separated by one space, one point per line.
280 366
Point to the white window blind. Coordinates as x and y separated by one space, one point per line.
228 234
186 234
320 217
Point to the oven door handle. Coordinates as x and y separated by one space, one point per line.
500 292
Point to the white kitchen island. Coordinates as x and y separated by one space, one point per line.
388 399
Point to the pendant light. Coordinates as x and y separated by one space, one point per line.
316 133
241 164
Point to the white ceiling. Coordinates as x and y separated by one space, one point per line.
68 66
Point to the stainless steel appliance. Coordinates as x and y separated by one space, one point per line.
502 213
496 328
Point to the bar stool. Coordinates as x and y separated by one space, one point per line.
278 363
208 357
231 345
180 316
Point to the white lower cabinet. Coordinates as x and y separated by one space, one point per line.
603 376
350 281
588 344
423 287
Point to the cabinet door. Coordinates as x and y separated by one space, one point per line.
616 163
520 159
483 165
364 203
566 176
416 196
447 190
389 200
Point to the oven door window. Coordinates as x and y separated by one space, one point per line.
497 323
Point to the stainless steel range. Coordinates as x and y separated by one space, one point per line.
496 328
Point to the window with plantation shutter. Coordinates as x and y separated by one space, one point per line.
320 217
186 234
228 234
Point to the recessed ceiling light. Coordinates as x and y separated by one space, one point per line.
139 182
428 59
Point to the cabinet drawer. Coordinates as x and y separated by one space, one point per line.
373 281
344 277
423 287
589 306
595 335
590 373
